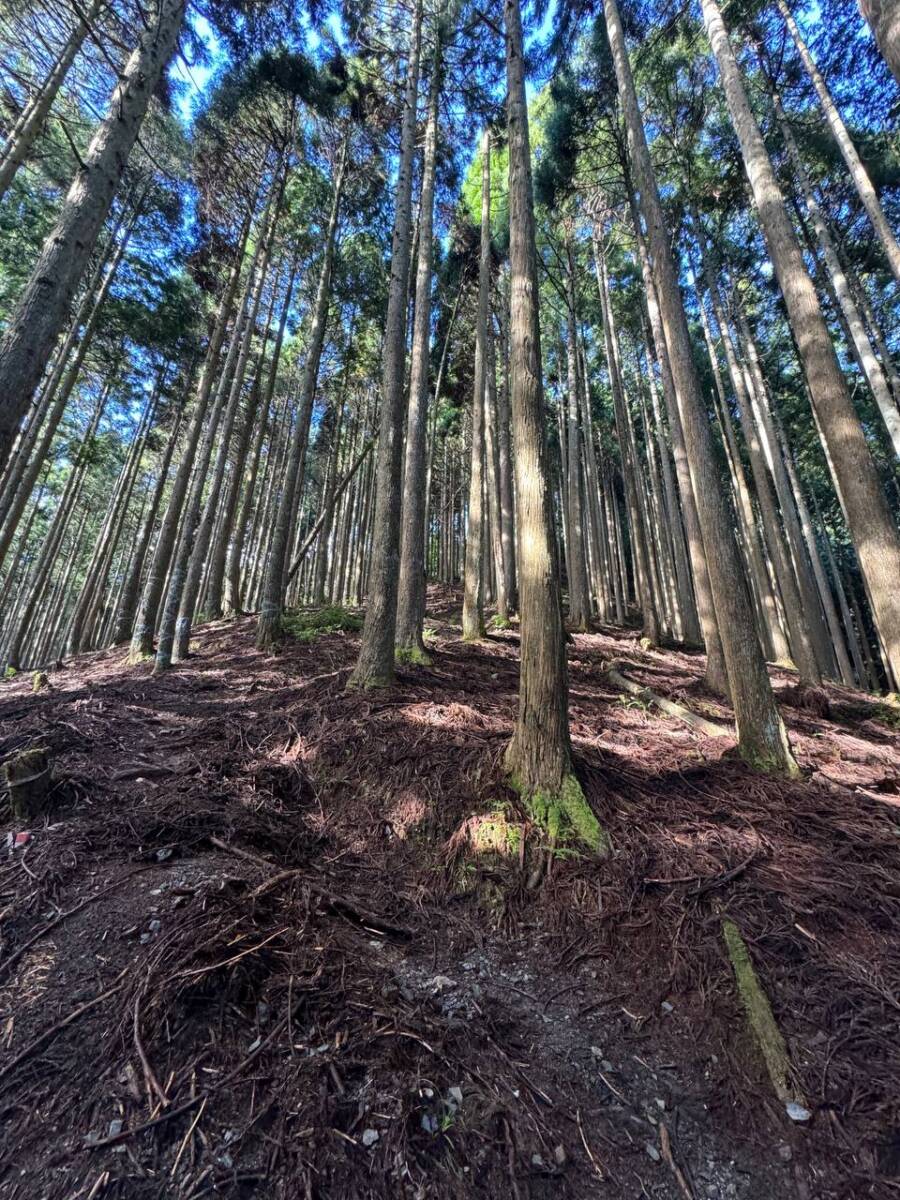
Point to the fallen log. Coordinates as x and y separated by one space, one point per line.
669 707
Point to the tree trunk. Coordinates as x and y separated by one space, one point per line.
26 129
761 735
375 665
166 542
44 304
473 586
858 172
539 755
884 18
269 624
579 598
716 677
859 337
869 519
128 597
411 587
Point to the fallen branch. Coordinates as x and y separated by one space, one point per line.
200 1098
669 707
50 1033
761 1019
350 908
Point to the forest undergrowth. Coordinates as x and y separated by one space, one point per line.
278 938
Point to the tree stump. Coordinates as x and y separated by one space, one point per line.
27 777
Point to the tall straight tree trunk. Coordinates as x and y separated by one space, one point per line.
199 535
507 498
128 597
473 586
761 735
166 542
411 587
539 755
884 18
772 632
716 676
860 342
869 519
26 129
221 541
44 303
798 627
269 625
764 416
236 549
858 172
640 545
375 665
579 598
34 450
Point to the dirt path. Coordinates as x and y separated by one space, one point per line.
293 965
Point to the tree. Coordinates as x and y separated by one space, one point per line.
761 734
871 525
44 304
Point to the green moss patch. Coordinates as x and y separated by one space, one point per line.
305 625
566 816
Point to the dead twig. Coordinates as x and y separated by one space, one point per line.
50 1033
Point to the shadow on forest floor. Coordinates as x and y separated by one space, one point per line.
304 978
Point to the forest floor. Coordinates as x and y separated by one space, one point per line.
275 940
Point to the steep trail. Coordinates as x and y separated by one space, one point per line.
328 978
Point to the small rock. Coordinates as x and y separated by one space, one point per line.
441 983
164 853
606 1065
660 1104
666 1007
155 926
115 1128
797 1112
559 1154
370 1137
596 1051
652 1152
455 1096
536 1160
785 1153
145 938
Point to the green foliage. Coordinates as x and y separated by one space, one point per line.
305 625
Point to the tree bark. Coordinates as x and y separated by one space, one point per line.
762 739
269 624
869 519
44 304
26 129
858 172
473 584
411 586
884 18
375 665
539 755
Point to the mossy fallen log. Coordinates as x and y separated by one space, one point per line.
768 1037
669 707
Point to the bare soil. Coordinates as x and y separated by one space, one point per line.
258 947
